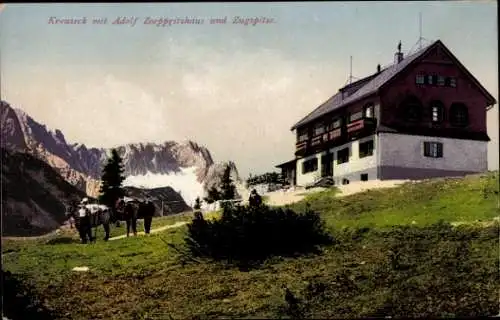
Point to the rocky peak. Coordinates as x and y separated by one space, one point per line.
82 166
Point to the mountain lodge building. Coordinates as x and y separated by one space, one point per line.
423 116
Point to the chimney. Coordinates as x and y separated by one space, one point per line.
378 68
398 56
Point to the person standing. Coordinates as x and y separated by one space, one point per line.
255 199
84 229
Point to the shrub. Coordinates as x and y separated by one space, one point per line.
252 234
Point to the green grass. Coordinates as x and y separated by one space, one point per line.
143 278
157 222
467 199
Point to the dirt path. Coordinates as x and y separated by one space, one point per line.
281 198
61 230
160 229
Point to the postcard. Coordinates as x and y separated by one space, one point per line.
281 159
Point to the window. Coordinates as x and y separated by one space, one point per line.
310 165
345 181
440 81
369 111
355 116
411 109
420 79
459 114
319 129
364 177
366 149
453 82
343 156
430 79
437 110
337 123
433 149
302 135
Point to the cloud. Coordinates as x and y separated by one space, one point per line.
240 102
112 111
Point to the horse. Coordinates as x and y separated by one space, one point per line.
99 214
128 210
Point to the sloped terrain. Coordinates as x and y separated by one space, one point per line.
468 199
381 265
34 196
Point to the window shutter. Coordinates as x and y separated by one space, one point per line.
439 150
427 149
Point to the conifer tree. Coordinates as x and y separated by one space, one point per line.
212 195
228 189
111 181
197 204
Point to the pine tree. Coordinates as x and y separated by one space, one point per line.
111 181
212 195
197 204
228 189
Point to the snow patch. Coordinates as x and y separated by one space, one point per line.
186 182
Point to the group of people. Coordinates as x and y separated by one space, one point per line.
130 211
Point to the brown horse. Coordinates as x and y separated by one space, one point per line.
128 210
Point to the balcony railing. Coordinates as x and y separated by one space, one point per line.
301 145
360 125
334 136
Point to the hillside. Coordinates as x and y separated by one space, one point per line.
172 201
390 258
34 196
469 199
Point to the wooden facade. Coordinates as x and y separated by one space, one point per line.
422 98
427 98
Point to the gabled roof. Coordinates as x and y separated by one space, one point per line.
371 84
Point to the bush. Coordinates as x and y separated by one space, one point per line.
252 234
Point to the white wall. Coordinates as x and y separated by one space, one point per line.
408 151
310 177
355 163
492 125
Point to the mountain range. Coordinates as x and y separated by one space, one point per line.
172 173
186 167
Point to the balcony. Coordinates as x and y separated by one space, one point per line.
335 134
335 137
360 125
300 147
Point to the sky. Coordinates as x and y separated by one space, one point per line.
236 89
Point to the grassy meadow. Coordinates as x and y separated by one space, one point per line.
394 255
